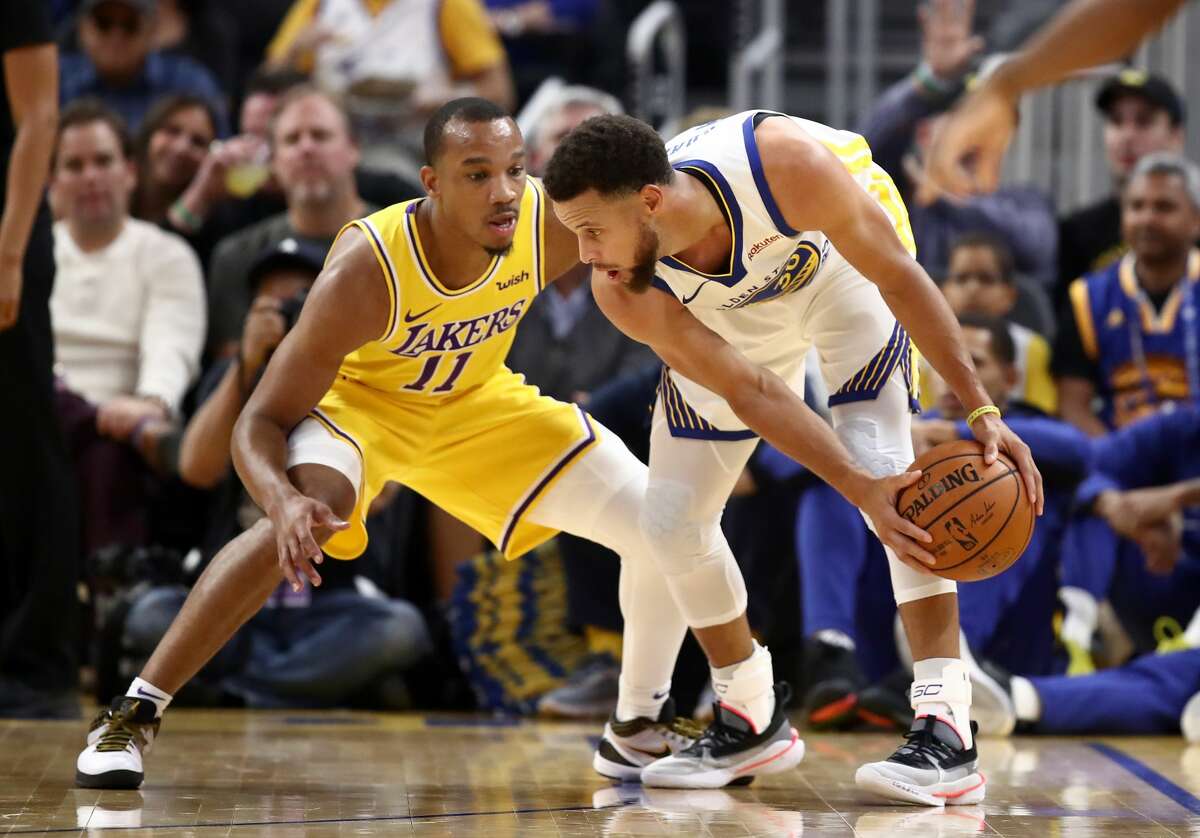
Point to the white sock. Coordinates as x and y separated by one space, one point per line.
148 692
633 702
748 687
1026 700
942 687
1083 613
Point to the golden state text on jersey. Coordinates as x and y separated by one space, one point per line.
441 342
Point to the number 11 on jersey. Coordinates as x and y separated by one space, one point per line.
430 369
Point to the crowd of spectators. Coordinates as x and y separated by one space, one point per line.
202 164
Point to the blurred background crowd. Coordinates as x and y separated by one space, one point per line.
207 152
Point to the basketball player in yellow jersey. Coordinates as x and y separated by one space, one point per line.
395 371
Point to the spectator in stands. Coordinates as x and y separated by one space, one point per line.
1136 540
1138 545
118 63
39 606
979 280
1131 334
1143 114
337 643
1006 618
899 129
186 177
395 62
314 156
128 315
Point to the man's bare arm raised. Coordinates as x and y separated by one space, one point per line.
346 308
815 192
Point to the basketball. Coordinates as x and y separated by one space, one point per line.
980 516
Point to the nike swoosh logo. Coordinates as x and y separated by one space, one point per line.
665 752
694 294
410 317
657 696
140 691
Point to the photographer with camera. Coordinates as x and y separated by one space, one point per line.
340 643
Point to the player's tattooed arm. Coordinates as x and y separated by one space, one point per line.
762 400
815 192
346 308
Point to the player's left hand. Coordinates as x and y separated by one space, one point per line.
996 436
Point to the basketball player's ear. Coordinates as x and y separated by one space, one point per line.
429 180
652 197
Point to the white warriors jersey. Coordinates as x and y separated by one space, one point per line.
767 302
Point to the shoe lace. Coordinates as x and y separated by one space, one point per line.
686 728
922 749
120 731
715 735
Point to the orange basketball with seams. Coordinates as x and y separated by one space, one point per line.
980 516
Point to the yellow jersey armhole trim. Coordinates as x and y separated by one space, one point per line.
1083 317
539 234
385 266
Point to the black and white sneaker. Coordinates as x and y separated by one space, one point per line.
729 752
931 768
628 747
834 680
116 742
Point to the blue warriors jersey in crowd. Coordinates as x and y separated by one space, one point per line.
1146 357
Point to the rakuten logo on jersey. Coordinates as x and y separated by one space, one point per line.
761 246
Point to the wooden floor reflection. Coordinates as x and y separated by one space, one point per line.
240 774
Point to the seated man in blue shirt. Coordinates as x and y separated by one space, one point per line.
119 66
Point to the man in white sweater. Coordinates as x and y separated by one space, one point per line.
128 313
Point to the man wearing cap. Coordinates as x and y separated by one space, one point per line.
317 647
1142 114
118 64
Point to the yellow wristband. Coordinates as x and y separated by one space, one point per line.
982 411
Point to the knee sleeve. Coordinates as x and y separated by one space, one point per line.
704 579
909 584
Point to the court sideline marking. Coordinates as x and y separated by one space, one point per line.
1149 776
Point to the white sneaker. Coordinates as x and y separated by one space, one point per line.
116 742
628 747
729 752
931 768
1190 720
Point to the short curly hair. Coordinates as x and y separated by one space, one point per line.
611 154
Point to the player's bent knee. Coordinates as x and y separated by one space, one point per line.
666 522
327 485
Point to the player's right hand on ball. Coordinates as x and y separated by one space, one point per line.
894 530
295 522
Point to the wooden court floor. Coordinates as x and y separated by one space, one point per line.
238 773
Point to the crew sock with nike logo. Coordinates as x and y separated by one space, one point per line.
145 691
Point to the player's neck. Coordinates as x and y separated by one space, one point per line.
694 224
456 260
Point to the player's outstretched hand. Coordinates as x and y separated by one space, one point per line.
295 523
996 436
895 531
968 149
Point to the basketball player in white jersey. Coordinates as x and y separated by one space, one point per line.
764 235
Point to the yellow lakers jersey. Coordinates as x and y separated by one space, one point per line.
441 342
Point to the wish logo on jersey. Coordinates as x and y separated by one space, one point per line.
458 334
796 273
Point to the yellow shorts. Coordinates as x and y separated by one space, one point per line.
486 456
